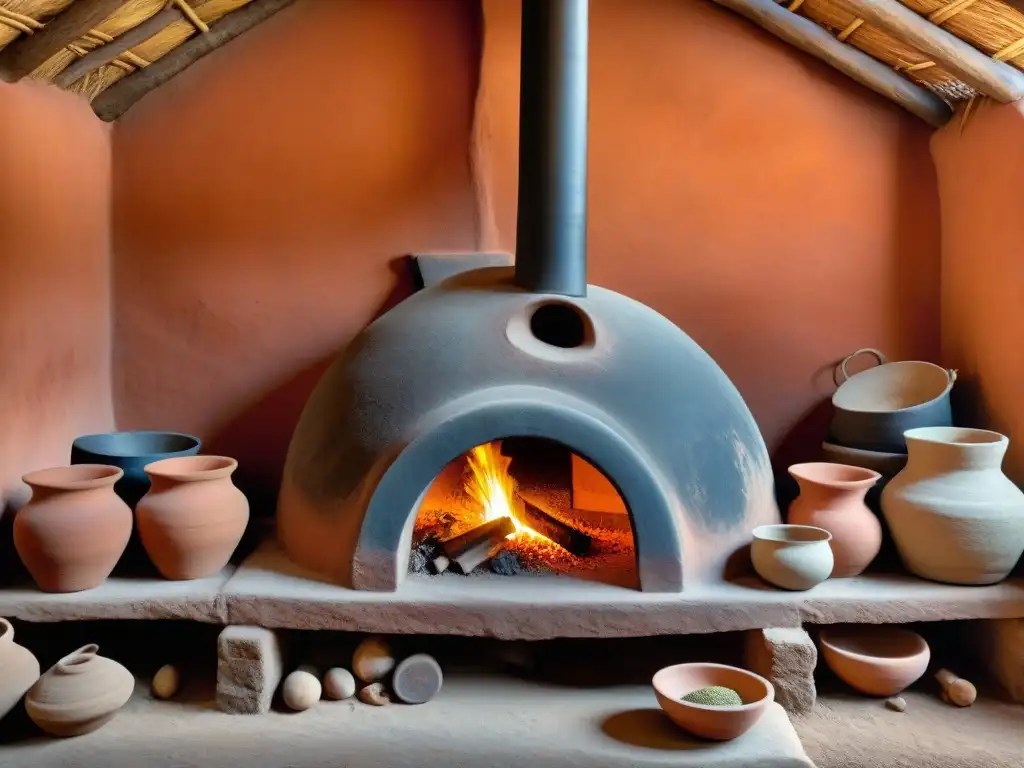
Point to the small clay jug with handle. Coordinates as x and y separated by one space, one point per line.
193 517
832 497
79 693
19 669
74 529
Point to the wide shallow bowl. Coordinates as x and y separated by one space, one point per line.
132 451
715 723
878 661
795 557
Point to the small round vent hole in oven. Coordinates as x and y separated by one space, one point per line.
560 325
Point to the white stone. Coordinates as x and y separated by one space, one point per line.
270 590
498 722
339 684
301 690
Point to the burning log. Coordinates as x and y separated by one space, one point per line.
466 551
573 541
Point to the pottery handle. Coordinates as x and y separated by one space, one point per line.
841 368
74 660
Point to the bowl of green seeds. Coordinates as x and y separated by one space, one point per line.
712 701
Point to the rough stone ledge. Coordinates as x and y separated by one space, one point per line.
269 590
787 657
122 598
488 721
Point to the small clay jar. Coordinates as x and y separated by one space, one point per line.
74 529
79 693
19 669
832 497
192 517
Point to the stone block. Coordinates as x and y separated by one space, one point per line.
250 665
1000 643
787 658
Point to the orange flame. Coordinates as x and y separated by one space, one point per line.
490 484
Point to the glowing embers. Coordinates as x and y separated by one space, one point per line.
506 507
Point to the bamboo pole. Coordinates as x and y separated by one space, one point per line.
804 34
992 78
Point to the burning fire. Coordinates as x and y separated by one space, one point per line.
493 487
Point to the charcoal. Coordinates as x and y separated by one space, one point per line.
423 555
506 563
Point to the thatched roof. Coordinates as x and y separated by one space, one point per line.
114 51
933 57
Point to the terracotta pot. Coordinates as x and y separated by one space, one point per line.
79 693
875 407
73 530
832 497
795 557
708 722
192 517
954 515
878 661
19 669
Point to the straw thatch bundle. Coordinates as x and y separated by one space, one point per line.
904 58
990 26
18 17
160 44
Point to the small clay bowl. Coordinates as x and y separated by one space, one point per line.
714 723
795 557
878 661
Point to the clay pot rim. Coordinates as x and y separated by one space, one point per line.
93 443
986 438
864 477
192 468
664 672
833 645
815 534
75 662
841 394
76 477
6 631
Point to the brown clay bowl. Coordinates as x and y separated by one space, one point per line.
878 661
715 723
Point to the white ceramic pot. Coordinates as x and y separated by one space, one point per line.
953 514
794 557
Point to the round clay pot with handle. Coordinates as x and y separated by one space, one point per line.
74 529
193 517
832 497
875 407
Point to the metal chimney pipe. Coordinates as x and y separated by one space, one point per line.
551 230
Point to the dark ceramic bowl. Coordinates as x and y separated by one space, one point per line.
132 451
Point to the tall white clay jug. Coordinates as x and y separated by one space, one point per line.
954 515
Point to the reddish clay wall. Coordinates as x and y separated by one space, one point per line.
54 280
982 271
780 214
263 201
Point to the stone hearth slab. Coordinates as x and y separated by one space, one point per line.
122 598
269 590
497 722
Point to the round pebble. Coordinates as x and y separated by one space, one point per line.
896 704
166 682
301 690
375 694
372 660
339 684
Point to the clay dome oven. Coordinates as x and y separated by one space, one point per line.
532 352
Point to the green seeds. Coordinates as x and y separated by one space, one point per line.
714 696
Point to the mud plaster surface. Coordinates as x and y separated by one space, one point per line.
474 722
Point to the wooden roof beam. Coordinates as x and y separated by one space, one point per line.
125 42
23 55
804 34
992 78
119 97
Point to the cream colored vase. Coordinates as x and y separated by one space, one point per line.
954 515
